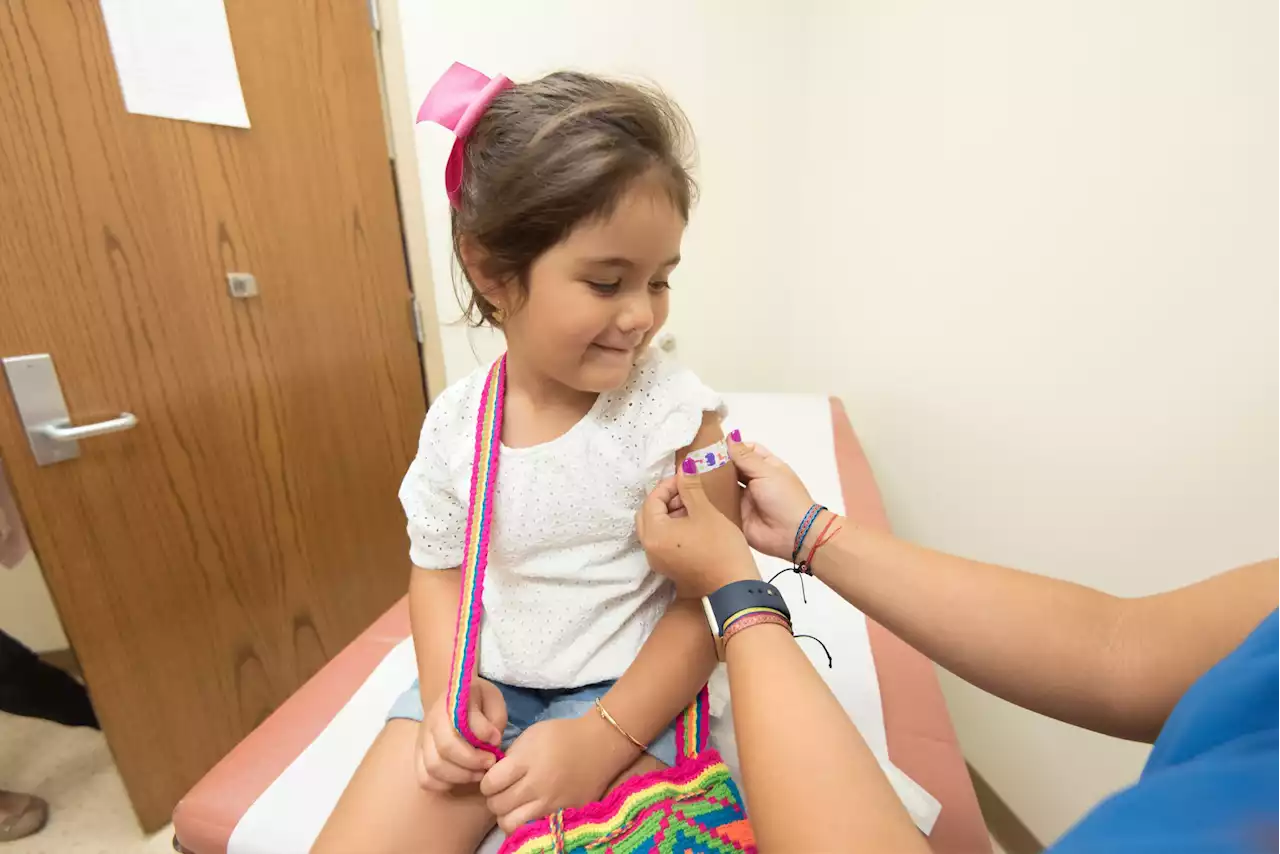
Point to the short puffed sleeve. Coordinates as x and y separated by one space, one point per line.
669 402
435 512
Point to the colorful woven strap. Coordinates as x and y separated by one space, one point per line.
475 557
693 725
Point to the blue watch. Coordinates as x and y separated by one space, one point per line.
732 599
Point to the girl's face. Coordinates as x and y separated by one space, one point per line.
596 299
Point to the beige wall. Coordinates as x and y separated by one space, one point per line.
1032 245
26 611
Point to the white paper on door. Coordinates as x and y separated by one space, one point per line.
174 60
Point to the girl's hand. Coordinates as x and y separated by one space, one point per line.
691 542
774 502
553 764
444 758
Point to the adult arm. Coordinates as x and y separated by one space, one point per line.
810 778
1109 664
1071 652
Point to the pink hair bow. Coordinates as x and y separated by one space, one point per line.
457 102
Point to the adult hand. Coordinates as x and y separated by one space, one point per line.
553 764
774 501
444 758
691 542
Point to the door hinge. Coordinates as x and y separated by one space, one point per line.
417 320
373 16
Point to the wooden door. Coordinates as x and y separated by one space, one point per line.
208 561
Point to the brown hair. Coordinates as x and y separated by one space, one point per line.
550 154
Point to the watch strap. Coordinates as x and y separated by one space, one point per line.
744 597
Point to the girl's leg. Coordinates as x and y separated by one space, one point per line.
385 811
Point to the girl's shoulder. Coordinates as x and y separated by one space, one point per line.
451 417
659 410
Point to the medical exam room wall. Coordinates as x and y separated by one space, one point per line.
26 608
1031 245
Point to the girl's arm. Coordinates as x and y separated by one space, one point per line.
679 656
433 613
444 758
670 667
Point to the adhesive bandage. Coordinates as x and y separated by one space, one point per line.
711 457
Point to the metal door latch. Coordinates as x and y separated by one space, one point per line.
38 396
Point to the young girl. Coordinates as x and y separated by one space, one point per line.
570 197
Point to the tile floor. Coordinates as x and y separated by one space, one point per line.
73 771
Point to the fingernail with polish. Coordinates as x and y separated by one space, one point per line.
735 436
689 466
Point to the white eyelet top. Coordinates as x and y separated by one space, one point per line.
568 596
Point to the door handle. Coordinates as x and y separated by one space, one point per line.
38 397
62 431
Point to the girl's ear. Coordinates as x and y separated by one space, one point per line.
473 263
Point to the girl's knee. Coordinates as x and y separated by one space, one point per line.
409 819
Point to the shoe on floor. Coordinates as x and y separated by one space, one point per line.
21 815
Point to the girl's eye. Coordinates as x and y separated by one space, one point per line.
606 289
659 286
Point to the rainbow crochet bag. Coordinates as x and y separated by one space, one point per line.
691 808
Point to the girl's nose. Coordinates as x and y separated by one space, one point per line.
636 314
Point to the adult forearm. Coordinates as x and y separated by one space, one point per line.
812 782
673 664
1042 643
433 615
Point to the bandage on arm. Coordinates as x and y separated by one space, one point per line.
710 458
718 473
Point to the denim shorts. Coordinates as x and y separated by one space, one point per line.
527 706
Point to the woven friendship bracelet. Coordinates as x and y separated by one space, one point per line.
757 619
824 536
803 530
